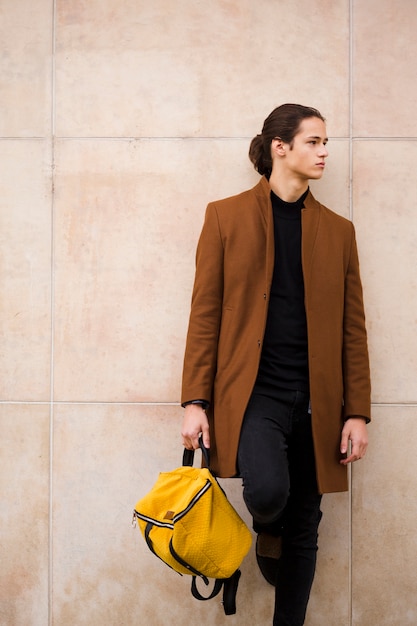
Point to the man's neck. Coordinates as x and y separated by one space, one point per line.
288 189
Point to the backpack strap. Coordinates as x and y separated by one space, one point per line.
229 586
188 455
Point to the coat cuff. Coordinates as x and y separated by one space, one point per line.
204 404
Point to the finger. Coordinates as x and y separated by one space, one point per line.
206 437
187 443
355 455
190 441
350 459
196 443
344 443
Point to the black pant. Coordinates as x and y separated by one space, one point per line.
276 462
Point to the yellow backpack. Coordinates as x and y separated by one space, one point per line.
188 522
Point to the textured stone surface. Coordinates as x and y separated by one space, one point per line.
119 122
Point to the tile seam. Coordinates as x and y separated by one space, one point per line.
353 138
399 405
52 327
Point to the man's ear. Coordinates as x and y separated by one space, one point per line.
278 146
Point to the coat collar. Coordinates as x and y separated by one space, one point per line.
263 191
310 222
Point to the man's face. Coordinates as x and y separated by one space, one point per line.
306 157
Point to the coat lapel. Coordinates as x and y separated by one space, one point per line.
263 192
309 224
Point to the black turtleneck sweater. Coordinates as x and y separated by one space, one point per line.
284 359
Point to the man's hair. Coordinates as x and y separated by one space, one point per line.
284 122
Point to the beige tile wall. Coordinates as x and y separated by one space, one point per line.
119 122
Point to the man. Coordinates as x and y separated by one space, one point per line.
276 372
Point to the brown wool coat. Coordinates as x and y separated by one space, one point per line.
234 265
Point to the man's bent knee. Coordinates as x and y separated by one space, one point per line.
266 506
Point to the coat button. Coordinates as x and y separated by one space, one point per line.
264 296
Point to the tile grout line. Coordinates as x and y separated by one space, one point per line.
412 403
52 324
189 139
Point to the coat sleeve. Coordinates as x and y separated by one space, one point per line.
206 311
356 374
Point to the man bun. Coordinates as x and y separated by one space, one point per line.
259 156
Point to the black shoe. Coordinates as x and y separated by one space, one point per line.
268 545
